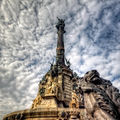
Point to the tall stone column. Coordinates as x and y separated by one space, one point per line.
60 42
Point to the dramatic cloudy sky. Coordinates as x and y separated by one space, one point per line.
28 43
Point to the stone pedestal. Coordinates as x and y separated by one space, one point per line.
44 114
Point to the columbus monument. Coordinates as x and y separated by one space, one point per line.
63 95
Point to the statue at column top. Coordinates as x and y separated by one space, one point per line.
60 25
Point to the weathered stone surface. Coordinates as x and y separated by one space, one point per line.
98 96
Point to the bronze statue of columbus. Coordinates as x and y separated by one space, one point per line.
60 25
